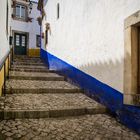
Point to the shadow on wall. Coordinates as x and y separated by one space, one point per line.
103 93
107 71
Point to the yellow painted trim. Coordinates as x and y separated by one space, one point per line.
1 79
7 67
9 61
34 52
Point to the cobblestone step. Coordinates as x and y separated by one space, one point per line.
49 105
88 127
31 70
28 60
35 76
25 58
29 63
36 114
41 91
28 67
34 86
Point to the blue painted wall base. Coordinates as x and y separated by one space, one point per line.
111 98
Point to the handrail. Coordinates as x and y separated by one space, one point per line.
4 59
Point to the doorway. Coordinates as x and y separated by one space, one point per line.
138 43
20 44
132 60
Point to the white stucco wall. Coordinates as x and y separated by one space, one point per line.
90 36
32 28
4 43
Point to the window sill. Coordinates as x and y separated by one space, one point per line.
23 20
20 19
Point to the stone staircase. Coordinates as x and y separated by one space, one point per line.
33 91
41 105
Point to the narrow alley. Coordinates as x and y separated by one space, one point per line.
70 70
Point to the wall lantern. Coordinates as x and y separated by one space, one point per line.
30 6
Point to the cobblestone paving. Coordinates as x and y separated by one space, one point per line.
87 127
26 84
95 127
33 74
49 101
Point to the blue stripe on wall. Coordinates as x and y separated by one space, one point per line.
111 98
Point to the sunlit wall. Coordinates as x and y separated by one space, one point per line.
89 35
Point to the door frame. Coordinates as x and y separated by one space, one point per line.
20 32
131 46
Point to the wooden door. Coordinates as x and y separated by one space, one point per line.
20 44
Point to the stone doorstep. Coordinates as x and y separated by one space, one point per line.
35 114
42 90
60 78
131 99
31 70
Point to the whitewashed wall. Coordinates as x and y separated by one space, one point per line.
32 27
90 36
4 43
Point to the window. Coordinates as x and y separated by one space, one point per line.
58 11
20 11
23 43
38 41
17 40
